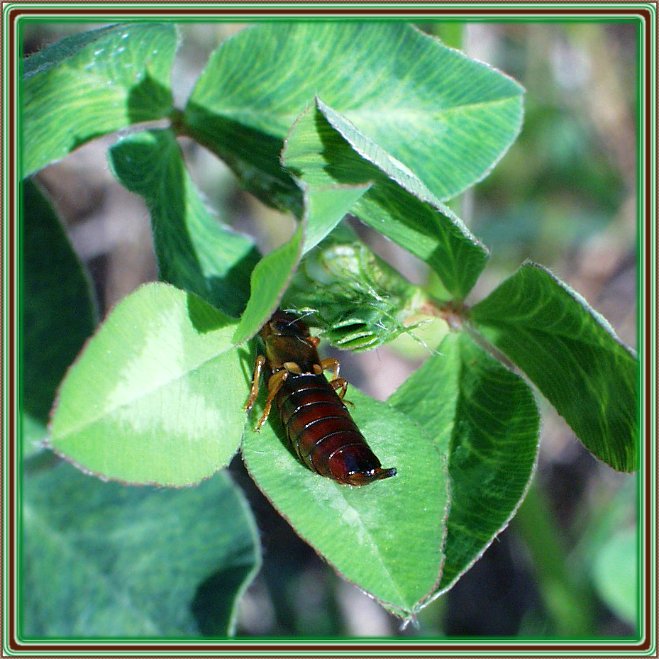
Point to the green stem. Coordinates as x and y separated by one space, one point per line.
568 603
176 118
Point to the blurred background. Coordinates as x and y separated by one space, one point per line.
564 196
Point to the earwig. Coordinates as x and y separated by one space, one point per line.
317 423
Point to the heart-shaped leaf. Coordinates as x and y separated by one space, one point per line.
446 117
156 396
385 537
105 560
572 355
324 148
485 416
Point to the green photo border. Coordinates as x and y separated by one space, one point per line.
16 15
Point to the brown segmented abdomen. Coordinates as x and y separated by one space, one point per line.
317 423
322 432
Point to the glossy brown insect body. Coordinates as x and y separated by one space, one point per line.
317 423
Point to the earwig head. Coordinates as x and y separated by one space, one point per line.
357 465
287 340
284 324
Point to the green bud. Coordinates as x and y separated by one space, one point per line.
351 295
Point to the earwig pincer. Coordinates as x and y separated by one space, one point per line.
317 423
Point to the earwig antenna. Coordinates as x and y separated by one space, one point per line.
306 314
296 312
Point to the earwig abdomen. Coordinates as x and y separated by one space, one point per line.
322 432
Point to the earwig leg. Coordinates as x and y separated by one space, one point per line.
340 383
274 385
333 365
254 391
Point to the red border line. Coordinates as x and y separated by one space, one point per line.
238 646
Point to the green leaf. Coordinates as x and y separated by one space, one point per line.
110 561
91 84
385 537
195 251
270 279
324 207
572 355
446 117
156 396
323 148
58 312
486 417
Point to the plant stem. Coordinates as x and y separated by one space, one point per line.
568 603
